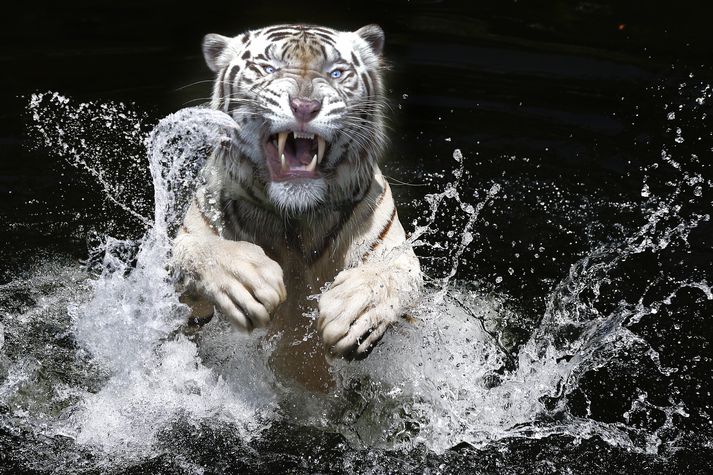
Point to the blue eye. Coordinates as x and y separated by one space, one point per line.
269 69
336 74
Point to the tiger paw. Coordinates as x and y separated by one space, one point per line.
243 283
356 311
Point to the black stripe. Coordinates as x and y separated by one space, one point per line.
322 30
270 100
279 28
246 54
381 236
268 91
277 36
230 85
355 59
367 83
319 34
384 230
343 95
380 199
327 39
255 68
231 75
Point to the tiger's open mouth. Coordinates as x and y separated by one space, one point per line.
293 154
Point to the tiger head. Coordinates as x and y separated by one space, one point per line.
308 105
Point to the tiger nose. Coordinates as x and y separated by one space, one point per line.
305 109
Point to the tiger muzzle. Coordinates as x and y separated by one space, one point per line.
304 108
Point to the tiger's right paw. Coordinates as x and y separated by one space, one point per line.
236 276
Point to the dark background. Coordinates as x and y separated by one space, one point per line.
563 103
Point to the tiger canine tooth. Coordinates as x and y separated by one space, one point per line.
321 145
312 164
281 140
283 162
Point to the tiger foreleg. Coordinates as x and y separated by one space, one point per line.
237 277
363 302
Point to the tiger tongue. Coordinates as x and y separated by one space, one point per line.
303 151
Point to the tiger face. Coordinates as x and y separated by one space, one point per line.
308 103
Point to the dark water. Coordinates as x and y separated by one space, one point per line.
565 105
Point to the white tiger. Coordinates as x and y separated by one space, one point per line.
298 200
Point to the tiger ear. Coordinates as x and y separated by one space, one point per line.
374 37
214 49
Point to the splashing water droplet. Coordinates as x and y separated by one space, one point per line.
457 155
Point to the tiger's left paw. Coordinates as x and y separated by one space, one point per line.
356 311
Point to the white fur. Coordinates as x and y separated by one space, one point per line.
375 272
237 276
364 300
297 196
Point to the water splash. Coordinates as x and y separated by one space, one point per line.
435 200
456 375
127 320
131 321
63 129
452 380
